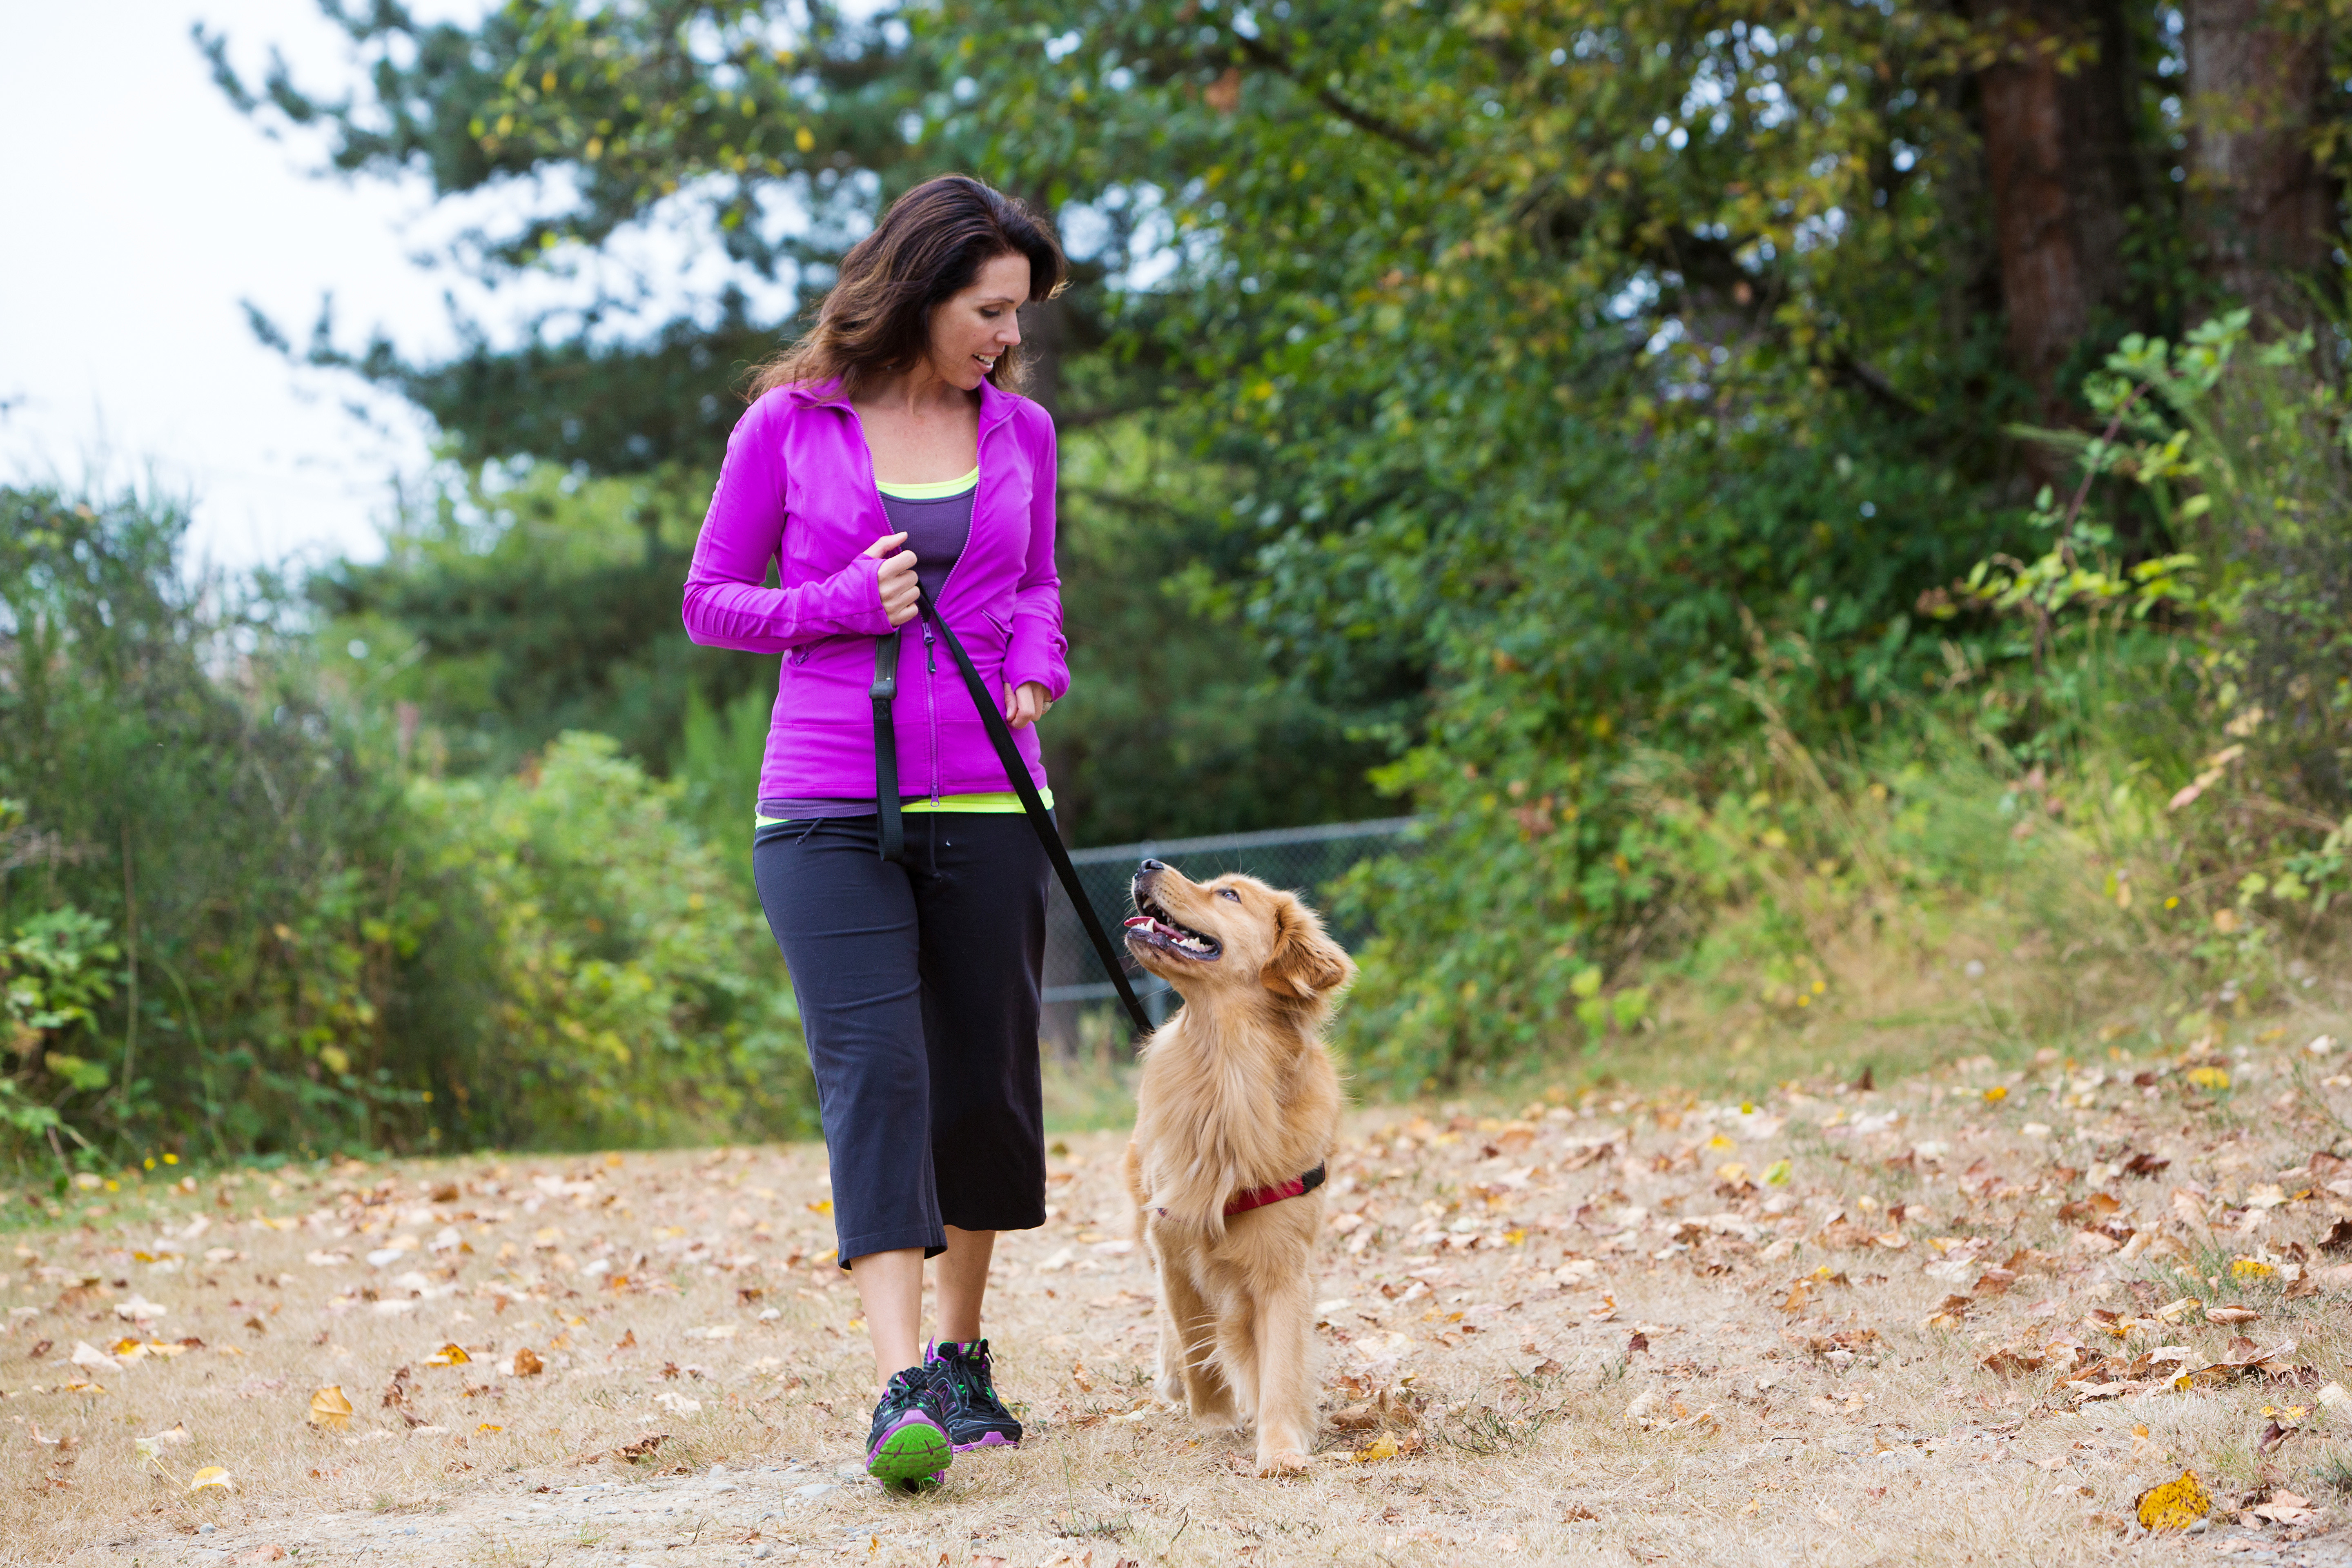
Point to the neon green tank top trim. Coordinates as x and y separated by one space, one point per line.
934 490
996 803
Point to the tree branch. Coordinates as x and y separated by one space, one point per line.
1363 120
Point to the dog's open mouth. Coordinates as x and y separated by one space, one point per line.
1154 925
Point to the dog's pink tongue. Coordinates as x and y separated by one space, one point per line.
1135 921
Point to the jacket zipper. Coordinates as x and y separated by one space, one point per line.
930 694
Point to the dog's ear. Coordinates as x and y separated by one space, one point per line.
1304 961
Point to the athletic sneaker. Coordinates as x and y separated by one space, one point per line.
909 1450
976 1419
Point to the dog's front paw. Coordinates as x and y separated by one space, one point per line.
1277 1462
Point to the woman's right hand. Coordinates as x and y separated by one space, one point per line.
897 578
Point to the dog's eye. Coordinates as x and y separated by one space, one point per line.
1229 893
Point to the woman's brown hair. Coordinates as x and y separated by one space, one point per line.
877 319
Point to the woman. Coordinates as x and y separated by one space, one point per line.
883 452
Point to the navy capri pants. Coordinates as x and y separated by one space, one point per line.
919 998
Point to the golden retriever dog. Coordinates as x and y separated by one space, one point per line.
1237 1113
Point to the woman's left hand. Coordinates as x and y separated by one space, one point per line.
1024 705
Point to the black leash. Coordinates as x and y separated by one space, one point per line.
1000 735
892 828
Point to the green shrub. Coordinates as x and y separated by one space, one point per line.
633 995
232 923
2129 749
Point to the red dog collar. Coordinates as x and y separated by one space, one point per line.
1258 1198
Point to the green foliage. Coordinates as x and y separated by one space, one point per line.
527 602
233 926
635 997
1176 723
56 967
222 829
1591 412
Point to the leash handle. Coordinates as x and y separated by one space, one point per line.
1000 735
891 825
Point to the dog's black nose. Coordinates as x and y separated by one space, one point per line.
1154 866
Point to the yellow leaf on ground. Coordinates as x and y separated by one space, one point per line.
1383 1446
1997 1093
2209 1078
331 1409
1776 1175
2175 1505
449 1355
210 1476
489 1426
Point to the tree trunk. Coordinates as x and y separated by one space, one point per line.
1044 337
2261 211
1045 328
2063 168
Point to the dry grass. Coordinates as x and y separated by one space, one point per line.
1597 1331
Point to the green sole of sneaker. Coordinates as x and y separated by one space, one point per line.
915 1453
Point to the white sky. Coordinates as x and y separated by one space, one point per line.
141 208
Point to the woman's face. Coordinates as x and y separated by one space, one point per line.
969 329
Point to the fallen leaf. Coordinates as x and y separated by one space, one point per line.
2175 1505
2231 1315
90 1355
331 1409
452 1354
2285 1508
1383 1446
526 1363
210 1476
2012 1361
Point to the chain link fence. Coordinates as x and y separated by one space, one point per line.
1307 860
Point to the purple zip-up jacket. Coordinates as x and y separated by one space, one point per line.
797 492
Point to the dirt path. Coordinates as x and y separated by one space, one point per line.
1919 1325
